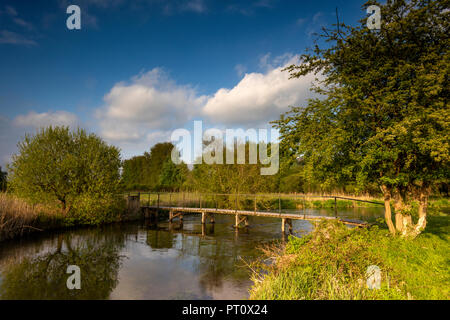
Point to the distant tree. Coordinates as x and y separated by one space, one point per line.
59 164
134 173
383 115
173 176
159 154
232 178
3 180
143 172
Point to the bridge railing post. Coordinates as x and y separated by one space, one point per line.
158 200
279 203
335 207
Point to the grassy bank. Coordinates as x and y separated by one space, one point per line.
18 216
331 263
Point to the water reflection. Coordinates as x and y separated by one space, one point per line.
141 261
43 275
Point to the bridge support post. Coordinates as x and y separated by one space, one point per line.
285 221
239 220
289 222
203 217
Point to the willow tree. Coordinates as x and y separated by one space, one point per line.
383 115
57 164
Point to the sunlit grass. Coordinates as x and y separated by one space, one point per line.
331 263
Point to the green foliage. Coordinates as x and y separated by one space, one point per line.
91 210
383 115
145 171
331 263
3 180
232 178
172 176
134 173
67 166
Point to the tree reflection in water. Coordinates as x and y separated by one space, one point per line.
218 259
44 276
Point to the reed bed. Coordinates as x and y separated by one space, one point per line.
18 217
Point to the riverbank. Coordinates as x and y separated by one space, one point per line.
19 217
331 263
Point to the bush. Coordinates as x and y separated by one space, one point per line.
57 164
90 210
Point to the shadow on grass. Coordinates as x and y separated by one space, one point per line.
439 225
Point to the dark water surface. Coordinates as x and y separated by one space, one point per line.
139 261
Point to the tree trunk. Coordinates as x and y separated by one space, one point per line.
423 206
387 208
403 220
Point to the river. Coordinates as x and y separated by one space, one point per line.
142 261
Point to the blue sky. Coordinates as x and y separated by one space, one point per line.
137 70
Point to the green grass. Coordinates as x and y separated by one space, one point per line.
331 263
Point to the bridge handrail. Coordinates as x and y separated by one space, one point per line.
258 195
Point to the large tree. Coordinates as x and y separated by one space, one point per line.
59 164
384 112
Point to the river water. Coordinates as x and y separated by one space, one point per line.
142 261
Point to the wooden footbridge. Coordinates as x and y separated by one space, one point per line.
207 205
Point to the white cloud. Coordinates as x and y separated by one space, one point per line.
9 136
12 131
260 97
9 37
151 105
195 6
150 102
23 23
11 11
240 69
45 119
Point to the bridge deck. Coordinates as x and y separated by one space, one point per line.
290 216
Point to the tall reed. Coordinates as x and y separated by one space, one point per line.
18 216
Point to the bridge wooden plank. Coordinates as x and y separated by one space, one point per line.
259 214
